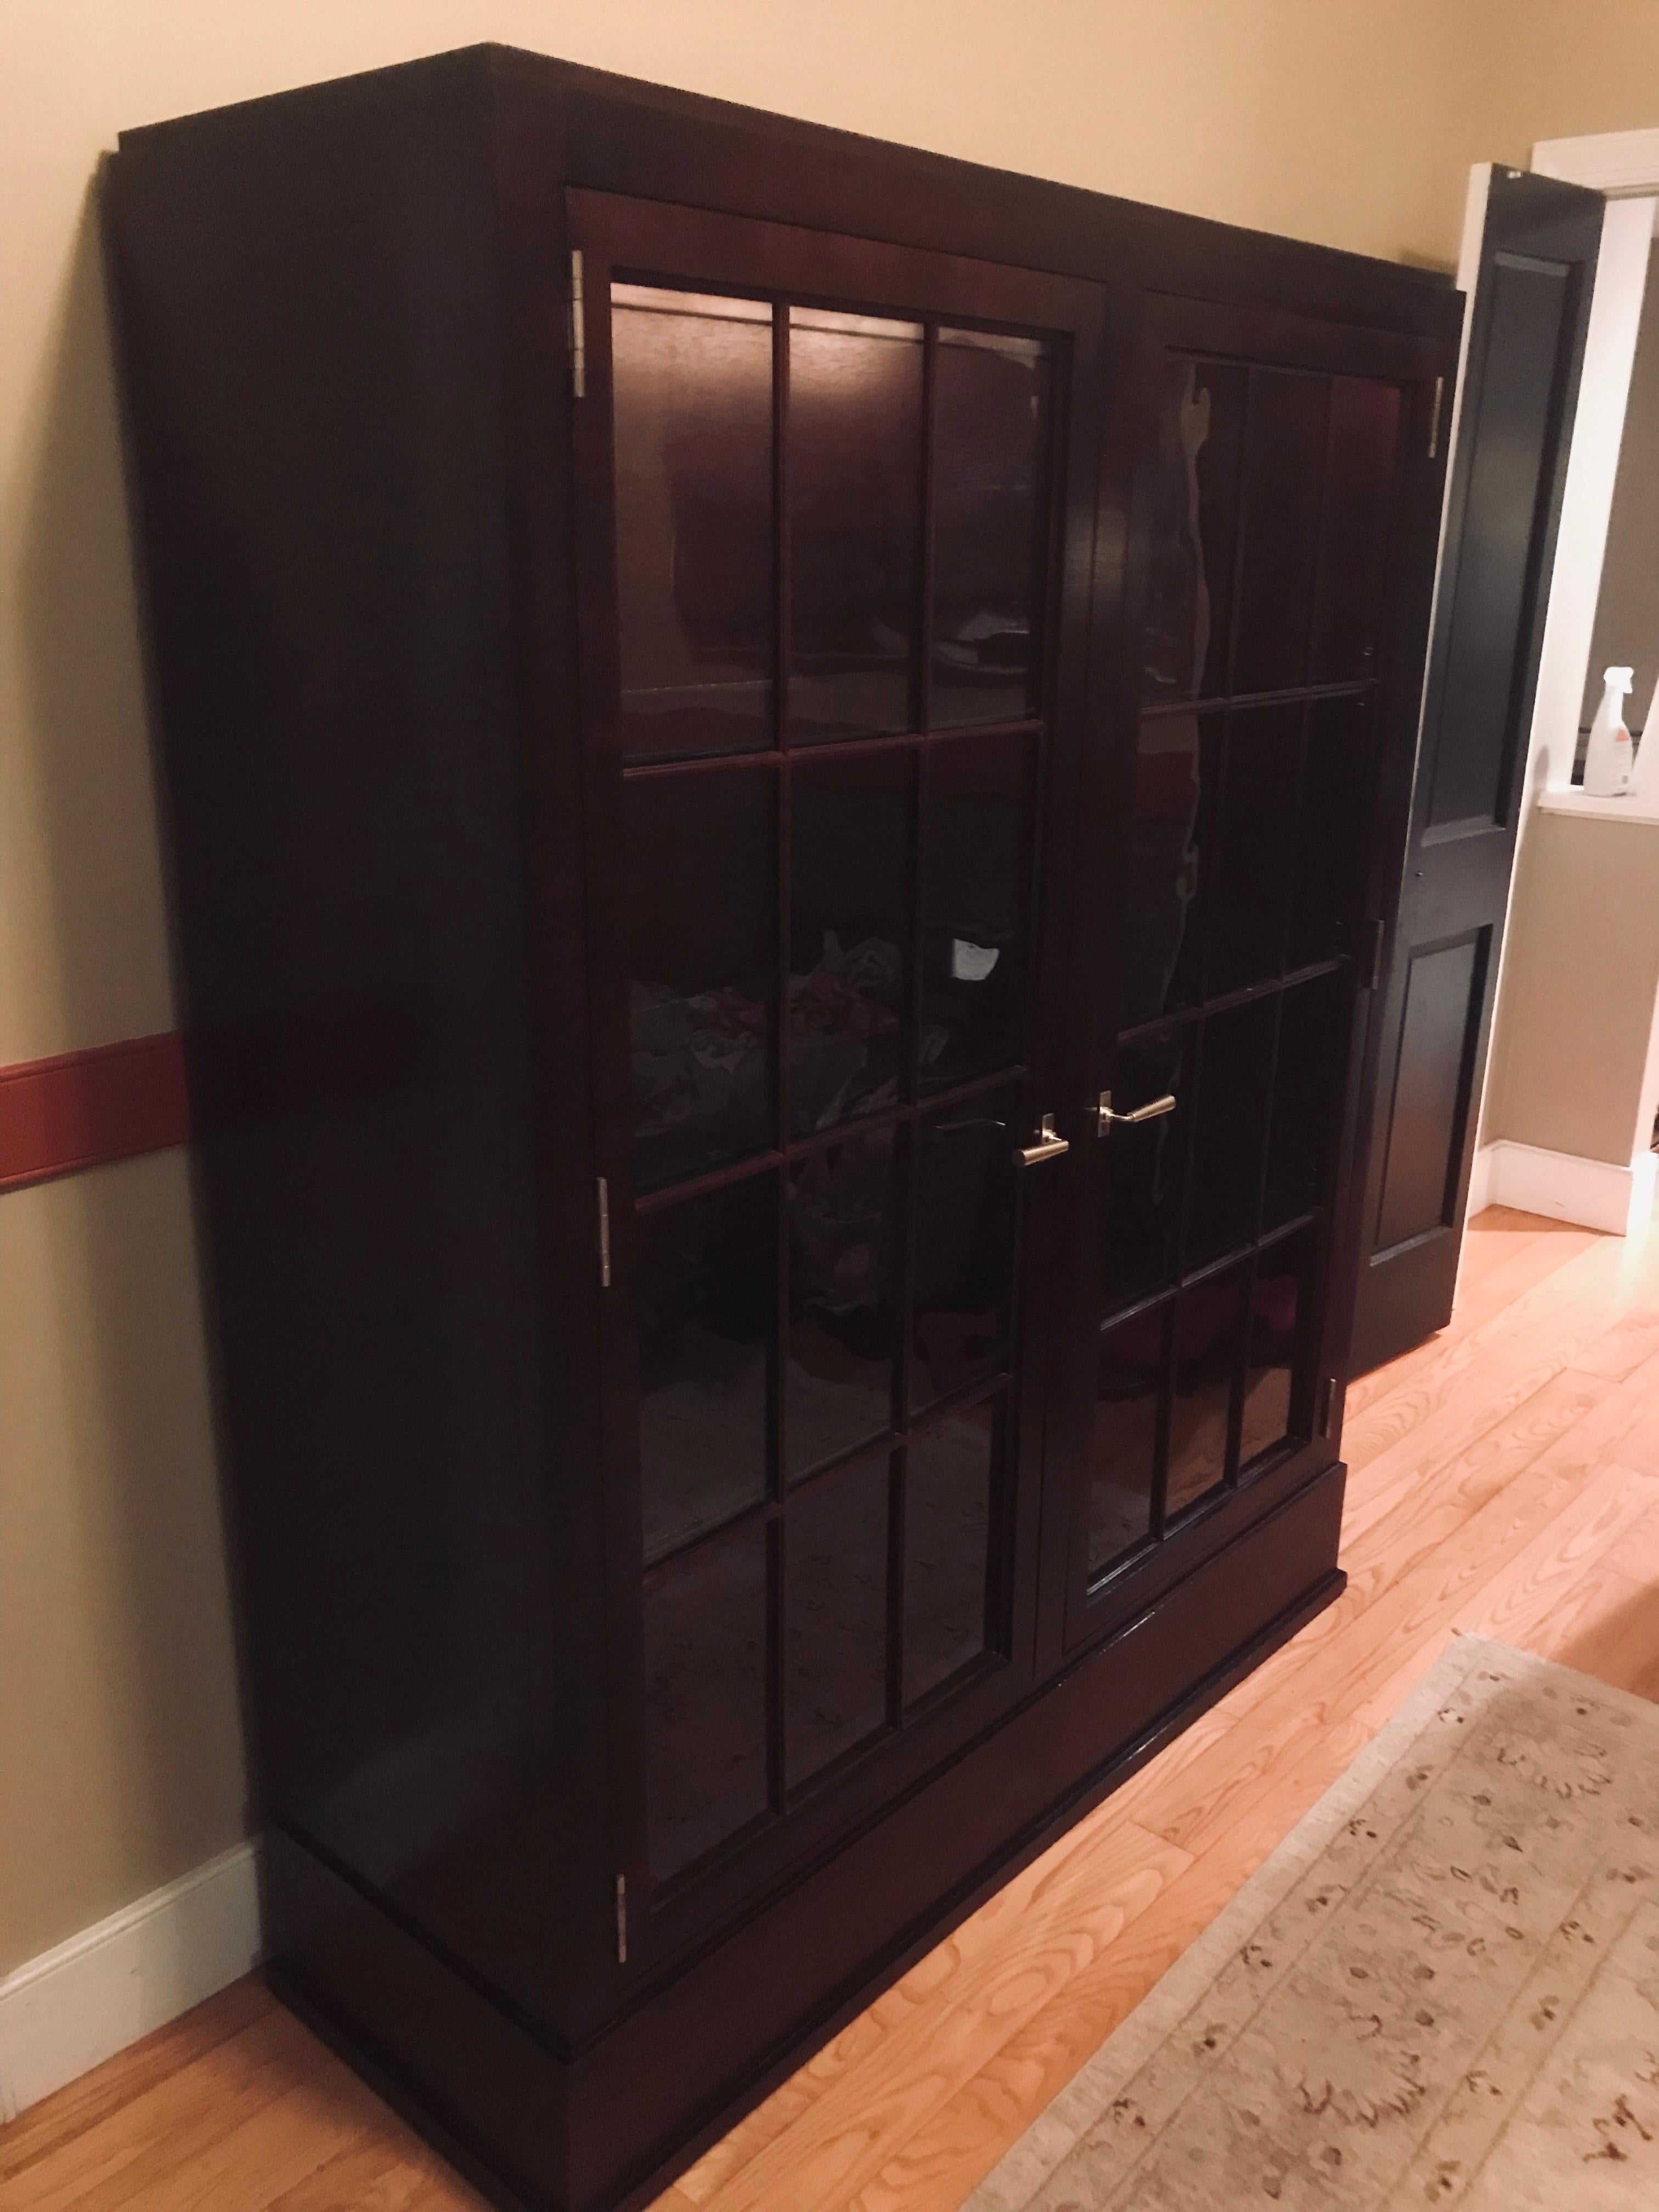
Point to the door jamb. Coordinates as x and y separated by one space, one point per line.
1625 165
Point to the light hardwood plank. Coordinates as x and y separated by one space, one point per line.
952 2013
1504 1478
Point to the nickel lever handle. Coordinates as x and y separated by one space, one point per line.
1048 1147
1105 1117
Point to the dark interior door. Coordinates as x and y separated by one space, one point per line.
838 515
1274 536
1530 309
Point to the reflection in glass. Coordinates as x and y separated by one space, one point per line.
1360 472
1123 1446
702 898
843 1326
974 962
705 1296
835 1618
849 936
1208 1329
692 398
855 510
1145 1166
990 437
1335 787
1171 854
1278 1307
1283 466
1234 1069
1257 848
1305 1091
1192 498
947 1526
964 1246
705 1695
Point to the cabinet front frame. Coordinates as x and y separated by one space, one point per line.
645 242
1079 1608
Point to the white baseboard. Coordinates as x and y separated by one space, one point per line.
1593 1194
75 2006
1480 1196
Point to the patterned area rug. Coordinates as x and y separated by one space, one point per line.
1442 1989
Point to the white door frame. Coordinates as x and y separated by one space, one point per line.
1626 166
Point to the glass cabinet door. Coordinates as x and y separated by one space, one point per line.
827 584
1264 519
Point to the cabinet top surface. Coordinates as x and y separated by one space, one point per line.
581 116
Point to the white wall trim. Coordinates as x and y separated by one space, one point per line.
1480 1196
1593 1193
1616 161
1581 544
67 2011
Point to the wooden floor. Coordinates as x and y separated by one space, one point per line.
1505 1478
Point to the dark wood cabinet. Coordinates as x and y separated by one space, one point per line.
781 760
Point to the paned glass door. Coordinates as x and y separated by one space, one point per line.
836 527
1266 531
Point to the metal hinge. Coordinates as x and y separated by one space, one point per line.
578 329
622 1919
604 1234
1326 1401
1434 427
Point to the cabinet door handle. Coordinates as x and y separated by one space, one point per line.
1105 1117
1049 1145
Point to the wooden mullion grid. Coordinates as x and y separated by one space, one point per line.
1025 726
1186 1016
1288 695
777 1535
922 698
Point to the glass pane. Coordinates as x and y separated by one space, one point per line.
849 937
835 1618
947 1531
705 1695
1306 1092
855 521
703 894
1330 847
1279 1306
964 1246
692 384
1146 1178
1283 461
1359 480
706 1297
1208 1330
1235 1067
1123 1448
974 836
1193 498
1256 863
1171 856
990 436
844 1217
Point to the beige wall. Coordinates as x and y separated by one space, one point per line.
1627 611
1348 121
1573 1068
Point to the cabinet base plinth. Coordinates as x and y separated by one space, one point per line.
605 2127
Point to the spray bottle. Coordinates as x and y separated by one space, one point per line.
1607 758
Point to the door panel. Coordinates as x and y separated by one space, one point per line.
1438 1036
835 543
1221 965
1427 1056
